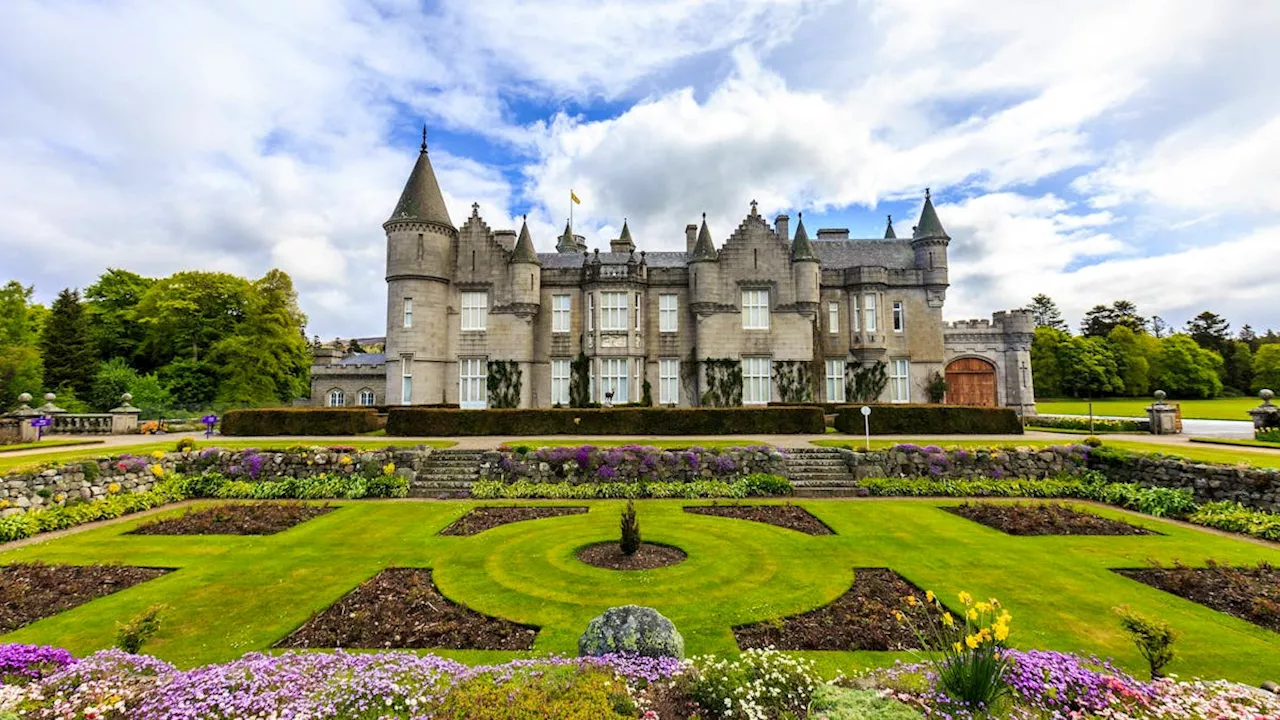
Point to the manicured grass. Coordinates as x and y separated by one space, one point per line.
231 595
1240 442
1216 409
47 444
856 443
650 442
9 464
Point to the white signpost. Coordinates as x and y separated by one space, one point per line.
866 424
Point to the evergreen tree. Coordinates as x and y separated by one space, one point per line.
1159 328
1248 336
1046 313
1101 319
1237 366
1210 331
70 360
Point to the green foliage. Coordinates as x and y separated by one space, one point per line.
1088 367
91 470
724 382
756 684
838 703
1063 487
504 380
1101 320
765 484
1210 330
299 421
423 422
1044 361
1157 501
930 420
967 651
113 309
794 379
1237 370
150 396
1130 351
745 487
1082 423
21 369
133 635
1153 638
567 693
1045 313
185 444
865 384
265 360
1266 367
61 517
114 378
1185 370
580 381
1234 517
1092 441
70 356
630 526
191 383
1271 435
936 388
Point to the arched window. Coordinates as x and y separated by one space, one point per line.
366 398
337 398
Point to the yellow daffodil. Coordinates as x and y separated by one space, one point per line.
158 455
973 614
928 595
911 600
972 641
966 598
983 607
948 620
898 614
957 647
1002 632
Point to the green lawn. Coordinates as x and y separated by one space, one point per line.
649 442
1216 409
231 595
1238 442
9 464
47 444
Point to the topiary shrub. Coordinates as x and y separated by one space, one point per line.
630 530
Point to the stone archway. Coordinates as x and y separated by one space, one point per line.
971 381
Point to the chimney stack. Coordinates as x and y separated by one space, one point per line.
690 237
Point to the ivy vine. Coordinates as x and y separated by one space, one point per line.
580 381
864 384
795 380
505 380
724 382
936 388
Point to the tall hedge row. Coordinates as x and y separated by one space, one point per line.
931 420
300 421
416 422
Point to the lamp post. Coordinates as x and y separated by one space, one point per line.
866 424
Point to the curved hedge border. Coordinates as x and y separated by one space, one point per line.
426 422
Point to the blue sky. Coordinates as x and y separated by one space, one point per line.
1092 150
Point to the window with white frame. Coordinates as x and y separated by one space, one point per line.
560 313
613 311
899 317
475 311
833 318
669 381
406 380
900 381
591 312
869 313
668 319
559 382
366 398
408 312
614 376
638 311
755 309
336 398
835 380
473 391
856 313
757 380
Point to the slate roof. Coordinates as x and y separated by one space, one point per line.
652 259
364 359
421 199
837 254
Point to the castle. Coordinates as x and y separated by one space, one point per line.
476 317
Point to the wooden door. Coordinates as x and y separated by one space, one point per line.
971 381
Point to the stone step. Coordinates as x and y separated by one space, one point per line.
825 492
433 477
816 464
823 482
442 485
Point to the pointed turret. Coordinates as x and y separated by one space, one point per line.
929 225
421 200
801 248
524 251
567 243
704 249
624 243
889 234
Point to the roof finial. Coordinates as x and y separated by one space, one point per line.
926 193
424 137
524 217
890 219
753 207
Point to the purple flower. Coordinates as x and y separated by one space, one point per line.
32 661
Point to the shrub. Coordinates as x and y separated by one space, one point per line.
1157 501
930 420
1267 435
756 684
969 656
1082 423
91 470
1153 638
763 484
630 530
1092 441
611 421
131 636
300 421
1234 517
1064 487
186 444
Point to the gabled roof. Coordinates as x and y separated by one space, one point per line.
421 199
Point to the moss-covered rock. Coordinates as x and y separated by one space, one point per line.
631 629
838 703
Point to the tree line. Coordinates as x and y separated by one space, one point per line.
189 341
1119 352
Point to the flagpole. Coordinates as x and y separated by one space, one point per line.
571 211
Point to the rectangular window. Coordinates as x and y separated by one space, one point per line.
900 381
835 381
560 381
406 381
614 376
638 311
669 381
856 314
668 320
833 318
869 318
757 381
472 383
408 312
755 309
475 311
899 319
559 313
613 311
591 312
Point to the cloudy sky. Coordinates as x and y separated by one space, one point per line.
1089 150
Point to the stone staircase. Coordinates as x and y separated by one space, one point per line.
447 474
819 472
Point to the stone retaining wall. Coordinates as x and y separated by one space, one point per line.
1258 488
932 461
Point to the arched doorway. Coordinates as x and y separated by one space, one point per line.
971 381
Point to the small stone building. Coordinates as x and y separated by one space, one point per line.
799 318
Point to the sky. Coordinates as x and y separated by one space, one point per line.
1089 150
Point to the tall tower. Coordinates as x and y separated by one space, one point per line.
930 241
421 243
805 269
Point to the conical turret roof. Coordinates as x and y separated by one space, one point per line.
801 248
421 199
626 233
704 249
524 252
929 225
889 234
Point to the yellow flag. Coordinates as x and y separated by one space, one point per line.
574 198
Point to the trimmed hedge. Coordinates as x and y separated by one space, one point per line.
417 422
300 421
931 420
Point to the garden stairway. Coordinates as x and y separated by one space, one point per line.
819 472
447 474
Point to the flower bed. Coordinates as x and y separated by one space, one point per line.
633 464
1043 519
480 519
235 519
32 591
792 517
1249 593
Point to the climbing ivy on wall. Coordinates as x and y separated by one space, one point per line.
505 380
580 381
865 383
795 380
724 382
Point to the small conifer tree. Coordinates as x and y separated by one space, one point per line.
630 530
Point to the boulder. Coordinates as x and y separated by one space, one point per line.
631 629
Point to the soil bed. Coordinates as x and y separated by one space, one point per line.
608 555
487 518
32 591
792 517
1043 519
401 608
861 619
235 519
1249 593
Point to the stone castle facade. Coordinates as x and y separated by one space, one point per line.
800 318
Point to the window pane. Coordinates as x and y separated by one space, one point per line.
857 314
560 382
668 382
559 313
898 319
756 380
900 381
833 318
835 381
475 310
870 316
667 319
408 312
755 309
613 311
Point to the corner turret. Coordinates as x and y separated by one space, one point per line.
624 243
805 269
930 241
525 273
704 269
